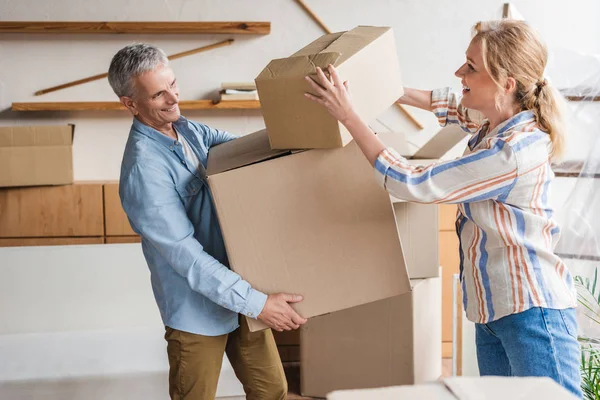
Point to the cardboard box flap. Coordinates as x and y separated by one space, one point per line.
441 143
502 388
244 151
25 136
435 148
318 45
346 43
298 66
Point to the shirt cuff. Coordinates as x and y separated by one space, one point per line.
384 162
440 102
255 304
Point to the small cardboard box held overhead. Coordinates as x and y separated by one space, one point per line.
465 388
314 223
36 155
396 341
365 56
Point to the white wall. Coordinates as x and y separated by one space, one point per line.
431 38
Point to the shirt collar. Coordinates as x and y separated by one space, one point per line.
518 119
154 134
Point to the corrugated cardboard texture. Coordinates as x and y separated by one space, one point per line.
314 223
418 229
390 342
466 388
36 155
365 56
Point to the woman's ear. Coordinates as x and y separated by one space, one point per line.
511 85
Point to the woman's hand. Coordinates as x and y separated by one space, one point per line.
332 93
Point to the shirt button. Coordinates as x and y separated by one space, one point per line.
171 147
183 161
250 314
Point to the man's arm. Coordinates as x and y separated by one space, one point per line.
154 208
156 212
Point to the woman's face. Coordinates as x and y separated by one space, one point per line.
479 90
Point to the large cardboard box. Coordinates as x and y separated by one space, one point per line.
395 341
36 155
465 388
365 56
314 223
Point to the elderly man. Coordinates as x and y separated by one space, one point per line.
164 192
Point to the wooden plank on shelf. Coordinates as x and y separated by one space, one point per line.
20 242
51 211
447 217
115 105
115 220
450 261
583 98
446 349
137 27
122 239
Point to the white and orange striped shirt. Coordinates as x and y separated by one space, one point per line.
504 221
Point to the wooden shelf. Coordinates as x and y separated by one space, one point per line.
583 98
572 169
115 105
578 257
162 27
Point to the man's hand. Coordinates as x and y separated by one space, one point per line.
278 314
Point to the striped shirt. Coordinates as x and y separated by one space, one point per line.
504 221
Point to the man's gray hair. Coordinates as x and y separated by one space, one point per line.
132 61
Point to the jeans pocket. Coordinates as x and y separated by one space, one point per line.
569 319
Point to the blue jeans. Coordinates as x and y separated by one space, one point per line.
536 342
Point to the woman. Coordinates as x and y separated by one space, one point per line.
516 290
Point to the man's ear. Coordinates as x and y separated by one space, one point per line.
130 104
511 85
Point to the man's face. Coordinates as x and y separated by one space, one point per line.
156 97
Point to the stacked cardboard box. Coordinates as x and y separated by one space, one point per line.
301 212
36 155
313 222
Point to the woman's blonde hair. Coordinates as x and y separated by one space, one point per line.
513 49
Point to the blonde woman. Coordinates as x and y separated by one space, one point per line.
517 291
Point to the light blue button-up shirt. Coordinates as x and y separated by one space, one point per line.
170 206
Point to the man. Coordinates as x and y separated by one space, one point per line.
164 192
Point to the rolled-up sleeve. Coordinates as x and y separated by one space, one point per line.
156 212
482 175
448 110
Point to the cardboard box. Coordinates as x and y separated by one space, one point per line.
395 341
314 223
36 155
466 388
419 233
432 151
52 211
364 56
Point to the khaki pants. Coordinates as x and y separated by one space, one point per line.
195 364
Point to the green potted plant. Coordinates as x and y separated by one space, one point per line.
588 294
